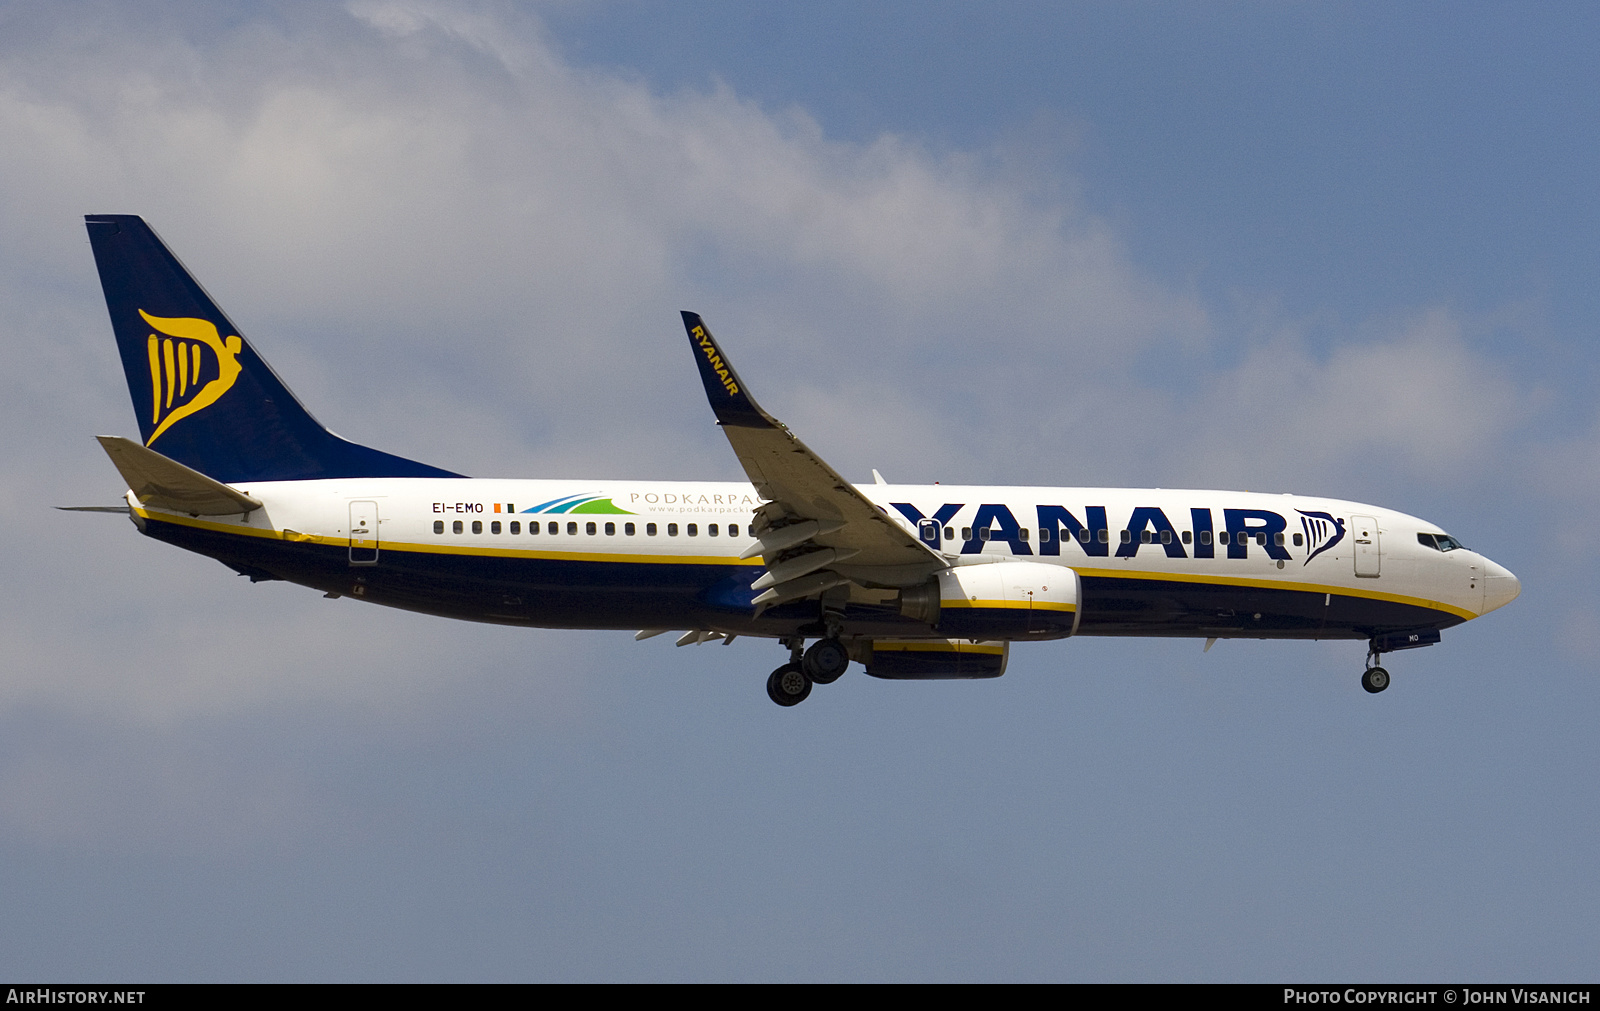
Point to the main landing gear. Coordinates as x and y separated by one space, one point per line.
822 664
825 661
788 685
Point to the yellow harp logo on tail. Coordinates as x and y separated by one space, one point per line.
178 363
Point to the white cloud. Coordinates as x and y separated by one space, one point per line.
1416 399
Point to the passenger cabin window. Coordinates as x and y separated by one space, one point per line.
1105 536
589 528
1299 539
650 529
438 526
1205 537
1127 537
1222 537
553 528
1023 533
949 533
494 527
711 530
1277 538
966 533
1044 535
456 527
672 529
516 527
1144 537
628 529
1188 536
692 530
983 534
611 530
477 526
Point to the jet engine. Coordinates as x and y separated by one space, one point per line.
998 600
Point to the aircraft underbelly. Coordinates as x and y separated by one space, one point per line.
1144 607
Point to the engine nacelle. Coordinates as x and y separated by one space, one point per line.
936 659
1008 600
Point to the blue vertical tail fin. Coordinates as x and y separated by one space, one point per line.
202 395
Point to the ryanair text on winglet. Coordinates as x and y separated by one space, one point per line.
715 359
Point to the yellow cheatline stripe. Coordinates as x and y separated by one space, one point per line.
1011 605
934 647
1282 584
567 556
282 534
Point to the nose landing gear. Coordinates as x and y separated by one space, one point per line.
1374 679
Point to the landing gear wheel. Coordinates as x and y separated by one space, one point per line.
788 685
1375 679
825 661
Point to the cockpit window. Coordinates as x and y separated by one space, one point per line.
1439 542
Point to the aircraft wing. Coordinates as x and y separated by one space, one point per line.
816 531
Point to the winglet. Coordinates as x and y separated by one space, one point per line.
730 400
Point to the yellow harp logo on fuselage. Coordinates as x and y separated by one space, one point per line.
178 363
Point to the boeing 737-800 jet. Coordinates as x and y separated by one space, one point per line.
910 581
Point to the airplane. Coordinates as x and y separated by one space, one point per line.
912 582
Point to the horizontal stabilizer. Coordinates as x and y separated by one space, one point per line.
168 484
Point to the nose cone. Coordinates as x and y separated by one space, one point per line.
1500 587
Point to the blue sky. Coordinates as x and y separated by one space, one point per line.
1334 249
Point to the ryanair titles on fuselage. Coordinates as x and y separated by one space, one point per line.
1147 525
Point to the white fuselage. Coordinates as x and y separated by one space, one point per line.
1217 541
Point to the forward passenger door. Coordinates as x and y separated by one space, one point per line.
1368 548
